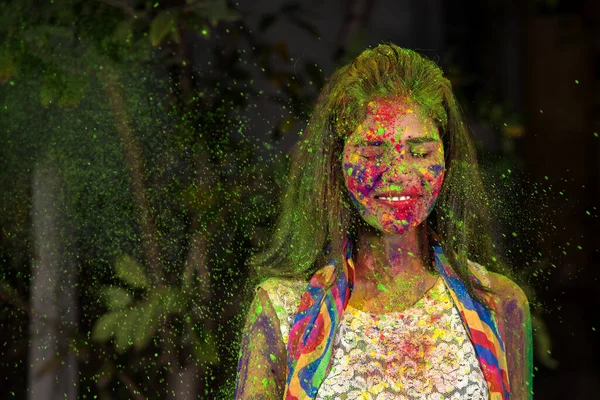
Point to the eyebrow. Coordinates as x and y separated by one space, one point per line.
422 139
363 142
412 141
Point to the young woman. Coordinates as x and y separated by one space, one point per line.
368 288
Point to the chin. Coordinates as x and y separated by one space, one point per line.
394 229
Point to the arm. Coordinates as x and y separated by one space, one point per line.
262 363
514 318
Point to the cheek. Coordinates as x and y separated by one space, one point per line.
434 177
436 170
360 176
437 184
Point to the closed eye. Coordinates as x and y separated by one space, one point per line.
371 149
371 154
375 143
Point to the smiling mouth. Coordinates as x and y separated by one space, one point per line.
393 198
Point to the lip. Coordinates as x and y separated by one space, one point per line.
413 193
398 204
404 204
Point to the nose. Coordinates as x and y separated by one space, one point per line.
400 169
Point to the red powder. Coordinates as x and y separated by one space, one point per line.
386 109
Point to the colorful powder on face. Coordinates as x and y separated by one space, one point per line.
395 150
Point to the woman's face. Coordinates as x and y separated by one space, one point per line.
394 165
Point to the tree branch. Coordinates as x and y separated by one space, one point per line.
134 159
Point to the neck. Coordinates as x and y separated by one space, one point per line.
383 257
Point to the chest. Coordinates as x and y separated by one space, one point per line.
423 352
391 298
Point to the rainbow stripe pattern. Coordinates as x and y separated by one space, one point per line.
481 328
310 344
312 334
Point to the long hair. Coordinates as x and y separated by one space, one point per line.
316 211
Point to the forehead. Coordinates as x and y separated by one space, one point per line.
396 118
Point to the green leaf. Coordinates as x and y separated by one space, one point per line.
146 325
104 374
162 24
123 32
73 90
195 22
169 299
217 10
124 328
104 328
47 95
49 90
116 297
131 272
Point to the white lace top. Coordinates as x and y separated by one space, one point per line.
421 353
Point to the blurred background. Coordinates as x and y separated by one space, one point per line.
144 144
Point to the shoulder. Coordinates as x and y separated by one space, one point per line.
270 302
280 291
505 293
283 296
509 293
280 284
499 284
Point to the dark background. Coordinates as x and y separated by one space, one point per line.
144 145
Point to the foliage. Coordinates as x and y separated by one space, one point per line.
165 189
